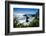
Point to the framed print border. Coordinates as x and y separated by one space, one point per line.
7 17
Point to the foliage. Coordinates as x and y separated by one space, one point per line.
34 23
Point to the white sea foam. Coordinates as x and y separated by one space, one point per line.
22 19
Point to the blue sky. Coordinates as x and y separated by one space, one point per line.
24 10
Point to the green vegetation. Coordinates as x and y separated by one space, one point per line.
34 23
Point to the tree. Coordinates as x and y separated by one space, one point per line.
37 14
15 22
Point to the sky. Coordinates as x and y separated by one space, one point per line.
24 11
